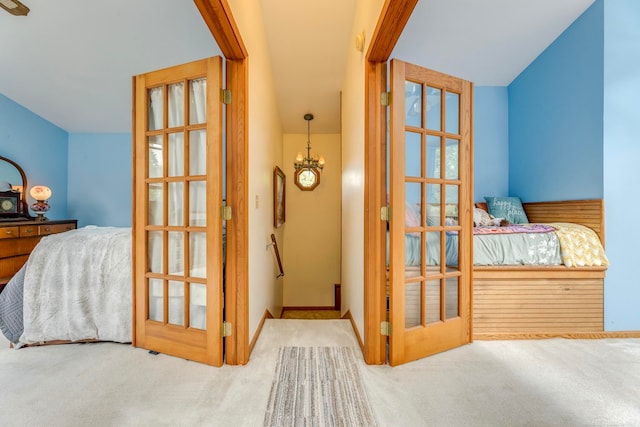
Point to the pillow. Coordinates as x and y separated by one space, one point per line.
483 206
11 322
481 217
509 208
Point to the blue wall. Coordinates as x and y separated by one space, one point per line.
621 156
40 148
490 142
90 175
555 117
100 179
573 134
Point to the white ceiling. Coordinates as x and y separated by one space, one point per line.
71 61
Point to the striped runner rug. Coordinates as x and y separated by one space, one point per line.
317 386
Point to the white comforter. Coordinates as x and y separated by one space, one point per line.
78 286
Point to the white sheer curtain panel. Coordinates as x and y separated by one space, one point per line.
175 143
198 101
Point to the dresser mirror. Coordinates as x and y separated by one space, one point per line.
13 184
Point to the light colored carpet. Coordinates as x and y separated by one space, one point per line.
311 314
552 382
317 386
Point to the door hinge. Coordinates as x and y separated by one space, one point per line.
385 98
225 96
225 212
385 213
385 328
226 329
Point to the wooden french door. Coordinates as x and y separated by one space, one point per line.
431 223
177 224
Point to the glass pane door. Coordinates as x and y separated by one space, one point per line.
429 188
178 228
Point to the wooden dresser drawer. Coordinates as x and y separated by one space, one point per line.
18 238
9 232
28 230
47 229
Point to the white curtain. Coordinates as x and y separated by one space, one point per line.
175 146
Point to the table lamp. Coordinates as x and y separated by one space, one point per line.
40 194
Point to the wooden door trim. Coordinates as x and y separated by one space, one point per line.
391 22
219 18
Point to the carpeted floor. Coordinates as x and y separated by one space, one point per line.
554 382
311 314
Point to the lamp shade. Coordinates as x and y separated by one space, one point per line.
40 192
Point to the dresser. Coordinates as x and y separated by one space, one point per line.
18 238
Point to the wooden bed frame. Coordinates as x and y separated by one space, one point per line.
525 302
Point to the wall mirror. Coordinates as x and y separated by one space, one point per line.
12 173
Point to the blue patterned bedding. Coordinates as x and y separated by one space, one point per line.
490 249
11 322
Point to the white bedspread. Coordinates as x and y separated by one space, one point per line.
78 285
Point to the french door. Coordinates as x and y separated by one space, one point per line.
177 224
431 223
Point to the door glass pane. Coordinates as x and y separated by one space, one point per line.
176 104
451 208
176 154
413 96
198 255
155 156
156 300
176 253
413 154
155 204
176 302
451 297
197 152
198 203
433 205
451 157
432 301
452 102
433 108
433 248
176 200
412 300
197 101
198 306
155 96
413 249
433 156
155 251
413 211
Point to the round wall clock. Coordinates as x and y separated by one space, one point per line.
307 179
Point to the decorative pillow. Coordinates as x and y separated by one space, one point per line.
483 206
481 217
509 208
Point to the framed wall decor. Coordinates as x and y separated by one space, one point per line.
278 197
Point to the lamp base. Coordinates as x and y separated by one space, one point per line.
41 217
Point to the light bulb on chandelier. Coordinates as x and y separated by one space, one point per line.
308 162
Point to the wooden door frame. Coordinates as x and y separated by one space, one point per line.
218 17
392 20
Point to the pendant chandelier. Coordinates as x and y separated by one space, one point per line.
308 162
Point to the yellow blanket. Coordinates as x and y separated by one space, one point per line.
579 245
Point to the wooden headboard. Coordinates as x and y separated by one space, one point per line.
589 213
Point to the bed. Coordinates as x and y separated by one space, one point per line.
75 286
542 278
528 301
